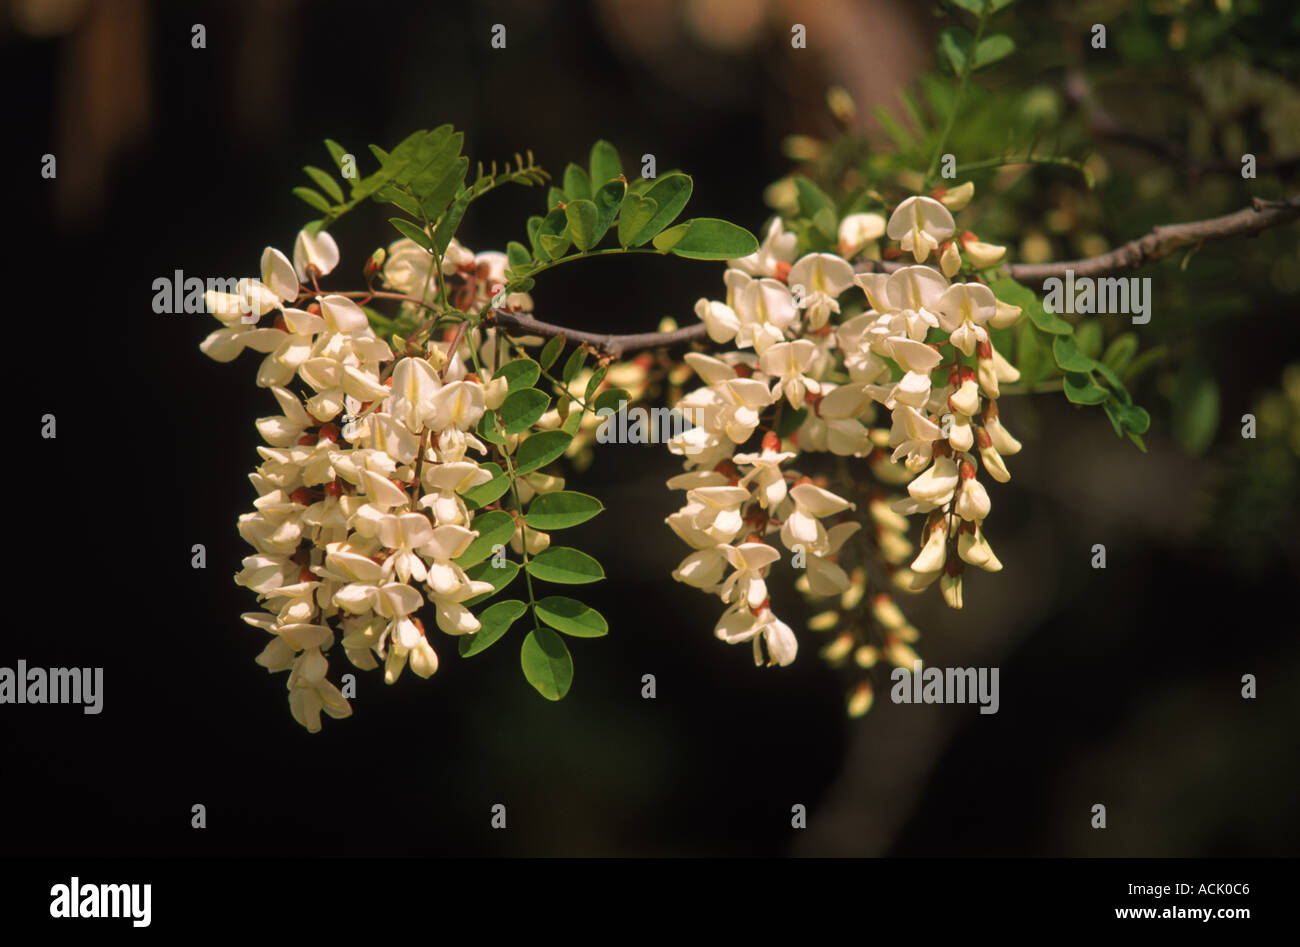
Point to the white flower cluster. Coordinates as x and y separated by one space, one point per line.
356 524
780 315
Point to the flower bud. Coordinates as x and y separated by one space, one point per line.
494 393
866 656
988 375
375 263
1006 316
966 399
973 501
983 255
838 649
861 700
824 621
956 198
934 552
950 587
887 612
949 259
1003 441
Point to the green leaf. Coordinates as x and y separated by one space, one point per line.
517 255
552 234
1114 381
577 186
1088 338
1135 420
326 183
634 213
573 365
1070 358
315 198
490 491
1195 417
488 571
337 152
993 48
670 194
608 199
611 398
551 351
560 510
553 247
1120 352
495 527
520 373
669 238
522 408
711 239
583 220
1032 355
540 449
570 616
489 429
594 382
604 162
565 565
811 199
446 228
534 227
954 47
1081 389
411 231
496 621
546 663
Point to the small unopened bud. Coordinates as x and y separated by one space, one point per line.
983 255
866 656
956 198
950 586
887 612
841 104
1006 316
949 259
375 263
861 699
495 391
838 649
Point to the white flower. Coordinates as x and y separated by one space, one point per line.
787 362
746 585
919 224
319 254
857 230
963 312
777 247
767 471
823 277
739 623
801 526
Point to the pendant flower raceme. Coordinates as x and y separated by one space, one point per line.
896 374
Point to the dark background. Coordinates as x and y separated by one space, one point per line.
1118 686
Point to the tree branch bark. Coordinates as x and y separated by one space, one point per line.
1160 242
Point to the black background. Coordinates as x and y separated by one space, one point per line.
1118 686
